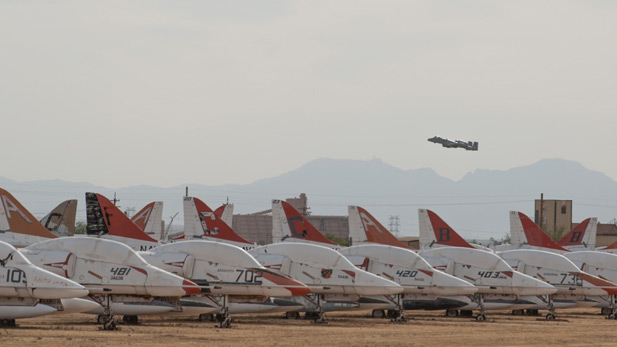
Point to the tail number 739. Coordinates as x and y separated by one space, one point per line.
249 276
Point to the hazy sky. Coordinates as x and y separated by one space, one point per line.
120 93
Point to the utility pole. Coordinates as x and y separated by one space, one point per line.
541 211
115 200
394 225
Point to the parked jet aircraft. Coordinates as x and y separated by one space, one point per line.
29 291
226 273
489 273
470 146
115 276
200 222
61 220
329 275
572 284
289 225
421 283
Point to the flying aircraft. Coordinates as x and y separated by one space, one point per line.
329 275
421 283
29 291
116 277
470 146
61 220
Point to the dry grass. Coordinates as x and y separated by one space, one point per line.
572 327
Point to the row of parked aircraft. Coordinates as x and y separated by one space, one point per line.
124 267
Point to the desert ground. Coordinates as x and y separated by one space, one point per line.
572 327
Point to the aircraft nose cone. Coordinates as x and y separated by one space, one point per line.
531 285
78 305
190 288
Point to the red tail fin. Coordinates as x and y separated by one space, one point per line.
213 226
105 218
375 232
438 232
576 236
535 236
300 228
16 219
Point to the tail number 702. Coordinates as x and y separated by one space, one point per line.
249 276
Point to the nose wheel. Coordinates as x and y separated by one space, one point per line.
481 317
550 316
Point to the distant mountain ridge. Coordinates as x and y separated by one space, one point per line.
476 206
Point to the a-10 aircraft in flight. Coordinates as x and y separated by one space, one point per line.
470 146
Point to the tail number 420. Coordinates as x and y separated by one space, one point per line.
249 276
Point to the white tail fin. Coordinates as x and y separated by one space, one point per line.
61 220
150 219
226 213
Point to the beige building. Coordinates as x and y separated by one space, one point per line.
553 214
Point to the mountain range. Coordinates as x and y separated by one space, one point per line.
476 206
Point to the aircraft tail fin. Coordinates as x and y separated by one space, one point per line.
61 220
150 219
524 231
583 235
288 223
226 213
14 218
200 221
363 227
434 231
104 218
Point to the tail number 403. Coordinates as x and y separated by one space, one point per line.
249 276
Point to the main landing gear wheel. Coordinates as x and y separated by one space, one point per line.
550 316
451 313
466 313
109 325
517 312
378 313
130 319
480 318
292 315
7 323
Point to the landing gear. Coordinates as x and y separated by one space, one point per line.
378 313
451 313
532 312
130 320
482 315
318 317
107 318
518 312
398 315
551 308
224 318
613 309
292 315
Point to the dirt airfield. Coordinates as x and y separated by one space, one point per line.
572 327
